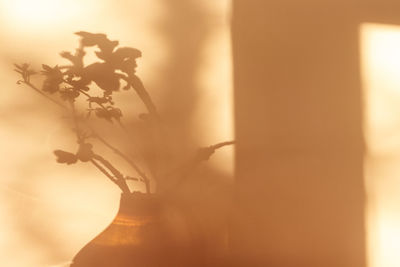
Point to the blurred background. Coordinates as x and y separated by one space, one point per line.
310 91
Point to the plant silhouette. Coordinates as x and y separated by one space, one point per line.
114 69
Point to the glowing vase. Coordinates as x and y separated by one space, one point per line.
133 238
138 236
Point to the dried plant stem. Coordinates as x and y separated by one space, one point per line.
155 119
145 97
120 123
146 180
78 135
219 145
83 92
118 177
44 95
202 154
98 166
112 178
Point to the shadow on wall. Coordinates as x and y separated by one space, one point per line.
204 197
298 104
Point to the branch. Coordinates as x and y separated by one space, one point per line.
206 152
44 95
146 180
98 166
144 96
201 155
120 123
119 178
120 181
78 134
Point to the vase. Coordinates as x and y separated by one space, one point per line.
137 236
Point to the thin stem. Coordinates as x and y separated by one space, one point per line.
159 129
146 180
44 95
83 92
144 96
124 189
78 135
201 155
219 145
119 178
103 107
98 166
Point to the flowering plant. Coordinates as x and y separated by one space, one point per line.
97 83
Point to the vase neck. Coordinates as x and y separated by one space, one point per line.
139 204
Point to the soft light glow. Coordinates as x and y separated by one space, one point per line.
380 62
39 12
216 99
49 211
381 72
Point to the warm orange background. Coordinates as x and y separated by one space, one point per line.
317 107
49 211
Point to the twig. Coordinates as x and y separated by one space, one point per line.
120 181
201 155
78 135
219 145
83 92
119 178
103 170
120 123
146 180
44 95
144 96
124 188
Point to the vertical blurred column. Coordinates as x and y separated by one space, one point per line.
380 61
299 164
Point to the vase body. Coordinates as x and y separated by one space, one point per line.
137 237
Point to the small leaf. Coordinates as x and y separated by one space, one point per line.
85 152
46 67
69 94
18 66
65 157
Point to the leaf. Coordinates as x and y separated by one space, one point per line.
127 52
67 55
22 67
50 86
85 152
109 113
98 100
65 157
18 66
47 67
69 94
